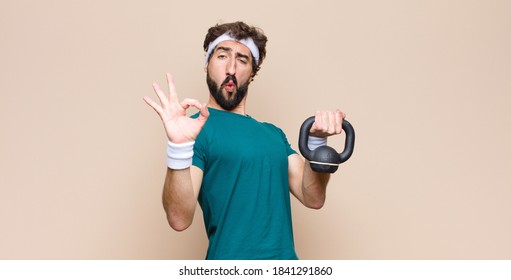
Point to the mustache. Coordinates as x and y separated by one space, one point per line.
228 79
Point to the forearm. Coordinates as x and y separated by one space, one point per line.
314 187
179 199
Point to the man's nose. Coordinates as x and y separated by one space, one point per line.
231 67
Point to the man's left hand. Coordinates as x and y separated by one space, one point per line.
327 123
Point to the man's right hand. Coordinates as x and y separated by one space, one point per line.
179 127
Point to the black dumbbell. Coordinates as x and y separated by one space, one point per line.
325 159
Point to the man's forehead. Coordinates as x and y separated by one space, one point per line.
233 46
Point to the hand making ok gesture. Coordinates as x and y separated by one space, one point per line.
179 127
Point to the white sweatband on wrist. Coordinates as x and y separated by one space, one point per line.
316 142
179 156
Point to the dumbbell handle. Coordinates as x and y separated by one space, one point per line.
303 139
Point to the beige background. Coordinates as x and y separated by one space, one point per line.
426 85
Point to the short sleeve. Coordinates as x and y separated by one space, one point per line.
200 151
282 135
289 150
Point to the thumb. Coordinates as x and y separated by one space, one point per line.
204 113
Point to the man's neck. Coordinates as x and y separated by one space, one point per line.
240 109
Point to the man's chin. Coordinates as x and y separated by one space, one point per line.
228 95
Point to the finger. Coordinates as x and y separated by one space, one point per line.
153 105
204 113
339 117
326 121
187 102
172 89
343 115
331 122
163 100
318 122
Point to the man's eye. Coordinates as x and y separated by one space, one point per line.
243 61
222 56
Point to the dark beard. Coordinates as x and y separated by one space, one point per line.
216 92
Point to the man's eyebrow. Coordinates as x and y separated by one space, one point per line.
223 48
242 55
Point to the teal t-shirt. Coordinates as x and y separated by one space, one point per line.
244 195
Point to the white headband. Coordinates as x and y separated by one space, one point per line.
248 42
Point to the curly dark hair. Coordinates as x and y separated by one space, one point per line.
240 30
